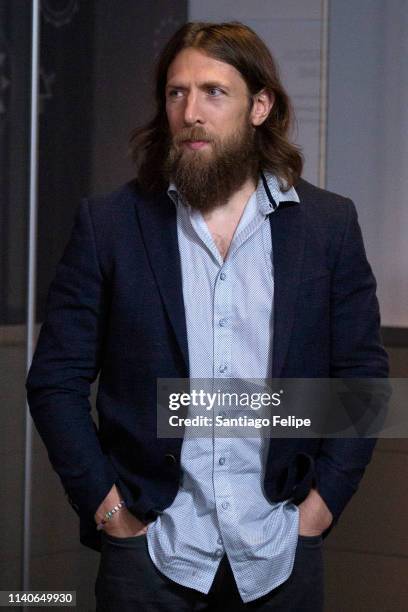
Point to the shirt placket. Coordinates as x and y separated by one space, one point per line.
222 342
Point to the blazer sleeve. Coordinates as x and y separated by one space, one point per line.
66 361
356 352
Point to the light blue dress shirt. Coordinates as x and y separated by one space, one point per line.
221 507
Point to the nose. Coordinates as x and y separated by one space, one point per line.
192 110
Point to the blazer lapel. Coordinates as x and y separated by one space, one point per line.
158 224
288 239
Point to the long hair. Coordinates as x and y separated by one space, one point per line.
239 46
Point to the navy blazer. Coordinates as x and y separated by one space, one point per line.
115 308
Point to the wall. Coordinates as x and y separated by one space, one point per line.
367 150
367 160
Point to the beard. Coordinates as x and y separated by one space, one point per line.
206 178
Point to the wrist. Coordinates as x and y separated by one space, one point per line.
109 516
314 513
112 499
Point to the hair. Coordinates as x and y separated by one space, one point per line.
239 46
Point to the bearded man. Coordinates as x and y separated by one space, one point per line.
217 262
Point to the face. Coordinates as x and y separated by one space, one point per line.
211 126
202 91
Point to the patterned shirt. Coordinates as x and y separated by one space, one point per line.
221 507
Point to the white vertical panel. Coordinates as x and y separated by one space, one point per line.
390 254
31 280
368 135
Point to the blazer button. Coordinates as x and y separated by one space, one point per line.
170 459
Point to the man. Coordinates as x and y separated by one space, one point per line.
218 262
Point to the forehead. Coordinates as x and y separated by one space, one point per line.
192 65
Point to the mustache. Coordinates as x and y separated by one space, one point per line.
192 134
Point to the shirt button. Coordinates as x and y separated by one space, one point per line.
221 460
223 322
219 541
225 505
223 276
222 369
219 552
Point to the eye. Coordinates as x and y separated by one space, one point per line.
172 93
215 92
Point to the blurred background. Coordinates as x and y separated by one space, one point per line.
344 65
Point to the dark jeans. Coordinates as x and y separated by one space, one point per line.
128 581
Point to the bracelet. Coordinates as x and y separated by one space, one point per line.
109 514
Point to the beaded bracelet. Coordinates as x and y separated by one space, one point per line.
109 514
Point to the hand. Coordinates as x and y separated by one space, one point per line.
314 515
124 524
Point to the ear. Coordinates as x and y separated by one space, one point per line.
262 103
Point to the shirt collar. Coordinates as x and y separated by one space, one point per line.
268 193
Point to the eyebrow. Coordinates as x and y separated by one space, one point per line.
204 85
